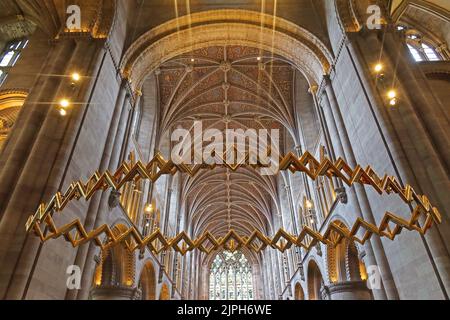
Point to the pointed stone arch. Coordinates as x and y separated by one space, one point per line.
165 292
147 282
299 293
315 281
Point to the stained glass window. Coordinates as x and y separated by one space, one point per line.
231 277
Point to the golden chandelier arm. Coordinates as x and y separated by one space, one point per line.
130 171
105 238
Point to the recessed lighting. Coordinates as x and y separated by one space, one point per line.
192 60
63 112
393 102
259 58
64 103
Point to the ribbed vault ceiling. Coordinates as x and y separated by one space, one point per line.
232 87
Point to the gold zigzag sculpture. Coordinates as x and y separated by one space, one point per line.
423 214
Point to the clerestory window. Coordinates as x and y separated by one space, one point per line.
9 57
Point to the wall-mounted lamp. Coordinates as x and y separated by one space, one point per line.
63 105
378 68
75 77
392 95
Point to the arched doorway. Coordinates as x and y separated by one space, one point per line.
299 294
147 282
315 281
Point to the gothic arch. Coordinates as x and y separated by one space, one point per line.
226 27
147 282
165 292
315 281
343 261
428 20
299 293
11 103
117 264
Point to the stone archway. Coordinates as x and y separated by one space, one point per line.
147 282
226 27
11 103
165 292
315 281
299 293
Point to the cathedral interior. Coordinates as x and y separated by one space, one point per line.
92 92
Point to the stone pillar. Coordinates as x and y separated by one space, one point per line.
115 293
88 263
429 146
357 196
45 144
352 290
99 199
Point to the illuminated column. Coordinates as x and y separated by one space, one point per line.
428 147
357 195
45 142
341 192
97 210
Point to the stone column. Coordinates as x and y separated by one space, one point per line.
374 249
353 290
105 203
429 146
45 145
98 199
115 293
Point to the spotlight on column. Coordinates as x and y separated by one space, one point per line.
392 95
64 103
378 68
75 77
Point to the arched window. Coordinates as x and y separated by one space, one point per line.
430 53
420 48
231 277
415 53
9 57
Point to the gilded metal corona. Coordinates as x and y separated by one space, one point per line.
423 214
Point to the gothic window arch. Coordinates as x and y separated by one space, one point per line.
9 57
421 47
231 277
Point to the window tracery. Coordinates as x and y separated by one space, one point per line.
420 47
231 277
10 56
